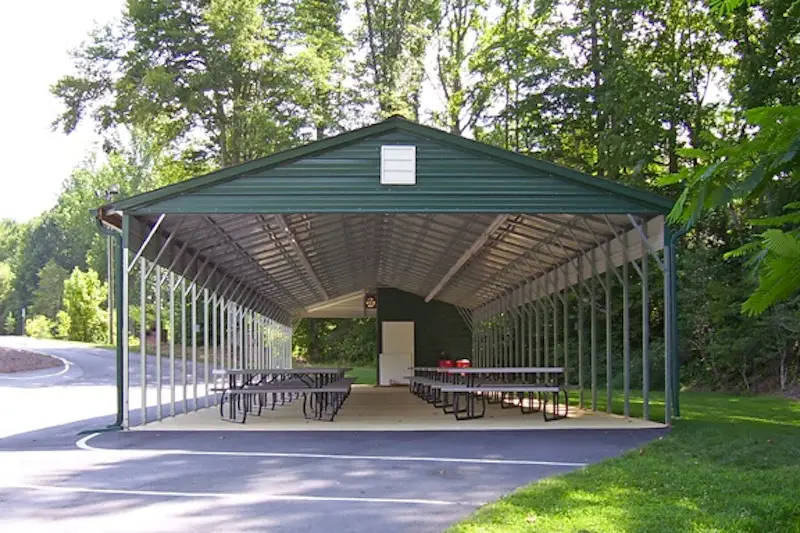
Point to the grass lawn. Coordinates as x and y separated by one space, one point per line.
365 375
731 464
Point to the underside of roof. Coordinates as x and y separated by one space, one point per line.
313 228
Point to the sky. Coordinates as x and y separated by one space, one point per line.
35 40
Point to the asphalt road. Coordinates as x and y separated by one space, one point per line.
311 482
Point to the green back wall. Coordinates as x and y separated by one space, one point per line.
438 326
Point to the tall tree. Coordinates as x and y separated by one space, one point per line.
207 73
320 64
456 32
49 291
393 34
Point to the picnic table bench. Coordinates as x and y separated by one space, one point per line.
323 391
458 390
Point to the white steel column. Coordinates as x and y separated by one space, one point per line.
143 335
194 346
172 327
206 326
159 414
184 380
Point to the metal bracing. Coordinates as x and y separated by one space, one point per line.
466 256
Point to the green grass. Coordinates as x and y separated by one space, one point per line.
365 375
730 464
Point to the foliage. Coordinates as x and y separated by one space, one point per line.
393 34
39 327
50 289
63 325
756 168
6 280
728 466
83 296
629 91
212 76
10 324
336 340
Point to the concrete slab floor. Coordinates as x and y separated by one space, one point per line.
392 409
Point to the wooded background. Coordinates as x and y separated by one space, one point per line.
659 94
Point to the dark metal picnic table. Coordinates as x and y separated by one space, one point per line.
499 382
286 383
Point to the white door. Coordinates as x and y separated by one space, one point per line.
398 352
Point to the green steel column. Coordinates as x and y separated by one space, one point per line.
676 375
566 329
123 314
645 336
520 337
555 317
609 382
593 335
668 325
626 330
539 338
546 325
529 309
581 400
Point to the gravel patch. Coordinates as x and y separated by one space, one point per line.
13 360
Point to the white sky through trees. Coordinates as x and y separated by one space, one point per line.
35 40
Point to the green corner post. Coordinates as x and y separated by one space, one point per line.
117 283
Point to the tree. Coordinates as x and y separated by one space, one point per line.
456 30
83 296
63 325
48 294
750 169
10 236
10 324
39 327
320 64
393 34
6 281
44 240
183 70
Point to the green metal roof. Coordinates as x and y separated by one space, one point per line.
314 224
340 174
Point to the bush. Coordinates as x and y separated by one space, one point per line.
84 293
10 324
39 327
63 323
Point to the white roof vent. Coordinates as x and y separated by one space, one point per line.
398 165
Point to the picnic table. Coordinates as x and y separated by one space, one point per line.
490 384
250 390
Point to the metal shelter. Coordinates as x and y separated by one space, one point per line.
531 255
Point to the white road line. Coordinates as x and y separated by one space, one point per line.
66 363
83 444
238 496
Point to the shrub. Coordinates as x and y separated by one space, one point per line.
63 323
83 295
39 327
10 324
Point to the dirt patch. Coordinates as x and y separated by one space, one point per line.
13 360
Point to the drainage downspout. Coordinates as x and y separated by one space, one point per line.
117 425
673 288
